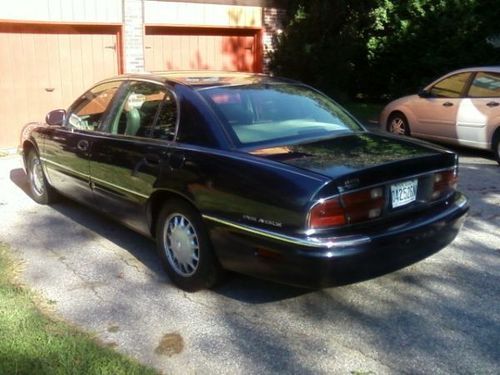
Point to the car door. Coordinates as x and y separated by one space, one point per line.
126 162
67 147
480 111
437 114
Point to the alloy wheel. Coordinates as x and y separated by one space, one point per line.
398 126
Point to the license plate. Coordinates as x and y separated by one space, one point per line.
404 193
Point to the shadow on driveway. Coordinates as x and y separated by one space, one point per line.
238 287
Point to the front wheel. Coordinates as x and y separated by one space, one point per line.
185 249
398 124
41 191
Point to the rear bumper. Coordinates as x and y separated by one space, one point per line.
323 262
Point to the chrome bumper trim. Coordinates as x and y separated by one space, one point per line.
315 242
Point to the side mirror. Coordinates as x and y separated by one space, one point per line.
424 93
55 117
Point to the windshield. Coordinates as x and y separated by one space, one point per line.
262 114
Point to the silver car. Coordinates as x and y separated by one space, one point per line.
462 107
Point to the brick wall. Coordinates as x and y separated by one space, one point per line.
273 25
133 33
133 36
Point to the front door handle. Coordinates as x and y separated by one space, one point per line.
493 104
447 104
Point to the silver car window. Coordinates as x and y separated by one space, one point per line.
450 87
485 85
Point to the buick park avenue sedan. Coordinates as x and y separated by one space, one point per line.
248 173
462 108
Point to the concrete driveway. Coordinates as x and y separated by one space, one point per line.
439 316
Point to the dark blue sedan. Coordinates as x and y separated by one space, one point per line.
249 173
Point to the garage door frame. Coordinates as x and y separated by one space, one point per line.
255 32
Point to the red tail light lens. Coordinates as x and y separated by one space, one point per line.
327 213
363 205
444 182
349 209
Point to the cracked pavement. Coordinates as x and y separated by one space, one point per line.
441 315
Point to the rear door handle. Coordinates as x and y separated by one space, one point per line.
83 145
493 104
152 159
447 104
176 160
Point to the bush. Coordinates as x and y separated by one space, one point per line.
384 48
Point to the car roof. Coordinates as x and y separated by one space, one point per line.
205 79
492 68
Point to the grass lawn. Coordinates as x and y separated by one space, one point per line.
364 112
33 343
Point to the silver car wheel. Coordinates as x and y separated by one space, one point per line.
397 126
181 245
37 179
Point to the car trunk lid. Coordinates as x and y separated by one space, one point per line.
359 162
361 159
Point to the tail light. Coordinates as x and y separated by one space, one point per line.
348 209
327 213
444 183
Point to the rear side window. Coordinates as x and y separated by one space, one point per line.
165 125
485 85
451 87
136 114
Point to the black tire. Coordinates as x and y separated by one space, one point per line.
496 146
185 249
40 189
398 124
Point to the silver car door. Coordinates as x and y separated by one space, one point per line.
478 110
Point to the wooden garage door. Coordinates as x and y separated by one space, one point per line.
202 49
47 67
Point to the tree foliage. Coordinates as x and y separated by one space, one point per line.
384 48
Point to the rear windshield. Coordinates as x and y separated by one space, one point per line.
262 114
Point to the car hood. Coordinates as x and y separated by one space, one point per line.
346 154
402 100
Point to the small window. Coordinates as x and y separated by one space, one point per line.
451 87
136 113
193 128
88 112
485 85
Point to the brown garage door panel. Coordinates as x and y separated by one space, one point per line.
43 67
184 48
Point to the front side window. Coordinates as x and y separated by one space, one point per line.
137 111
485 85
260 114
88 112
451 87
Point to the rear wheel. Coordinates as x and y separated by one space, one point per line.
398 124
496 147
41 191
185 249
